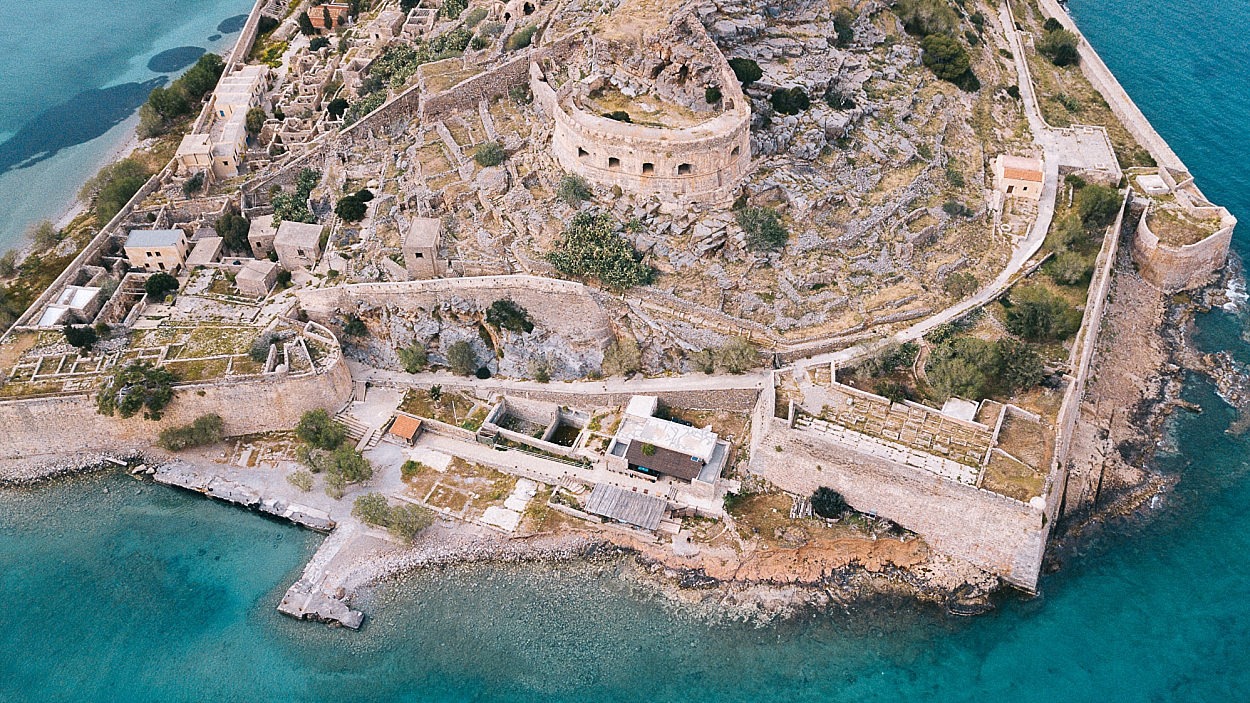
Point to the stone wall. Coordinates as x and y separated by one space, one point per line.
993 532
69 424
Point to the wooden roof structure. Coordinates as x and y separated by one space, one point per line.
405 427
632 508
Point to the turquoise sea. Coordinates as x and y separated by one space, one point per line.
75 72
140 594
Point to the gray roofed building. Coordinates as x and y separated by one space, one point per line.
298 245
631 508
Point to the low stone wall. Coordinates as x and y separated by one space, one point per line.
70 424
995 533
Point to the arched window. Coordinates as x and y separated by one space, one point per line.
684 169
614 162
648 168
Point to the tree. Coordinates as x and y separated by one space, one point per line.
113 187
828 503
623 357
350 464
326 20
790 101
351 209
763 228
301 479
1035 313
159 285
1060 46
372 509
205 429
413 358
1069 268
305 24
81 337
1097 205
573 189
364 195
945 56
408 520
924 17
318 43
962 366
169 103
1019 365
490 154
193 184
255 120
233 228
704 360
746 71
8 264
43 235
845 34
461 359
1051 24
202 77
506 314
336 107
138 386
592 247
320 431
738 355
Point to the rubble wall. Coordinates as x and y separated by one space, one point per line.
69 424
993 532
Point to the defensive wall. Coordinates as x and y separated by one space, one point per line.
1174 268
65 425
702 163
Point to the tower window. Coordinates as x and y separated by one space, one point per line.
684 169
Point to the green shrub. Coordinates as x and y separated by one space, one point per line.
452 8
1069 268
159 285
954 208
233 228
704 360
319 430
461 359
413 358
475 15
948 60
712 94
301 479
521 38
193 184
138 386
373 509
205 429
591 247
80 336
763 228
506 314
353 326
411 469
318 43
738 356
618 115
490 154
254 121
1035 313
960 284
926 17
844 33
790 101
828 503
747 71
1019 366
1097 205
350 209
573 189
113 187
336 107
623 357
408 520
1060 47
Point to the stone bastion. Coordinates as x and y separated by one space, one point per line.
698 163
1176 267
52 428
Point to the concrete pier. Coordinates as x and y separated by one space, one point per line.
194 479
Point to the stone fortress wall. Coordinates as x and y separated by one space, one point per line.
62 425
702 163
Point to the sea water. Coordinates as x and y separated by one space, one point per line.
75 73
149 594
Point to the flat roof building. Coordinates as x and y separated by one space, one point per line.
656 447
298 245
157 249
256 278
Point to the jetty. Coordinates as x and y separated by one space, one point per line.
308 598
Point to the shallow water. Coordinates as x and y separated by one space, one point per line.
75 72
159 595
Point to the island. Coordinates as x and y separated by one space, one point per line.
788 304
